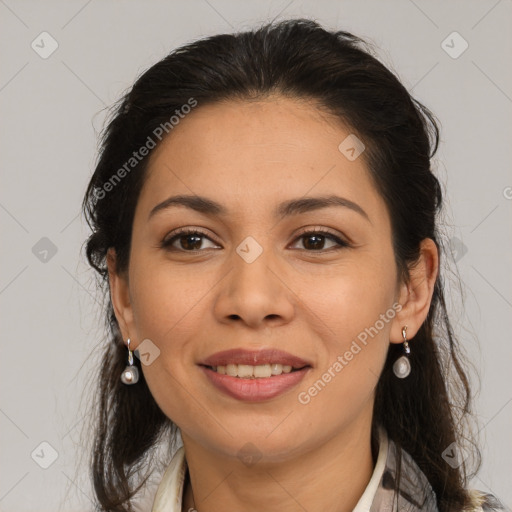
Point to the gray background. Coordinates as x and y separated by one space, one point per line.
51 112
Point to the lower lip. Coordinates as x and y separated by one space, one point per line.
255 390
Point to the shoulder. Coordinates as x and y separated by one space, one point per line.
483 502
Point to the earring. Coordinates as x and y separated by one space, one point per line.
130 374
402 366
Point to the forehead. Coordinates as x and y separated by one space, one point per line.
249 154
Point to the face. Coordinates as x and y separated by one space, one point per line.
270 266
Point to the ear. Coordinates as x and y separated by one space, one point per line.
120 296
416 295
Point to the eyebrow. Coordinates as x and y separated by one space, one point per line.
207 206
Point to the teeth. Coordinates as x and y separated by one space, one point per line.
246 371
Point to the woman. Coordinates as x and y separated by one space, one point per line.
263 216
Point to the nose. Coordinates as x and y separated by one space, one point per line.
255 293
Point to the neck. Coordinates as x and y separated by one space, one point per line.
331 477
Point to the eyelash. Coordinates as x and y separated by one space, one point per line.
167 242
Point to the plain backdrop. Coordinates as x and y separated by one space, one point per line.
52 109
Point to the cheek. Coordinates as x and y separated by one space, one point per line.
350 363
164 299
350 297
353 315
167 310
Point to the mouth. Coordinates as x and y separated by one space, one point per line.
254 388
254 376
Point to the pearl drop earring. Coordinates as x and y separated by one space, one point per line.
130 374
402 366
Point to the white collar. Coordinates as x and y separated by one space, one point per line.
169 494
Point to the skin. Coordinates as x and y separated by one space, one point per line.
251 156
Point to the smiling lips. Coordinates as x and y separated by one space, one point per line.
254 376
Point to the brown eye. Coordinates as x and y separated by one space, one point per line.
190 242
186 240
315 241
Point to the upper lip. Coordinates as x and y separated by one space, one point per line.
254 358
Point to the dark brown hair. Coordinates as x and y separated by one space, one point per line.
424 413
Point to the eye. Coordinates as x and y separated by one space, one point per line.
314 240
189 240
